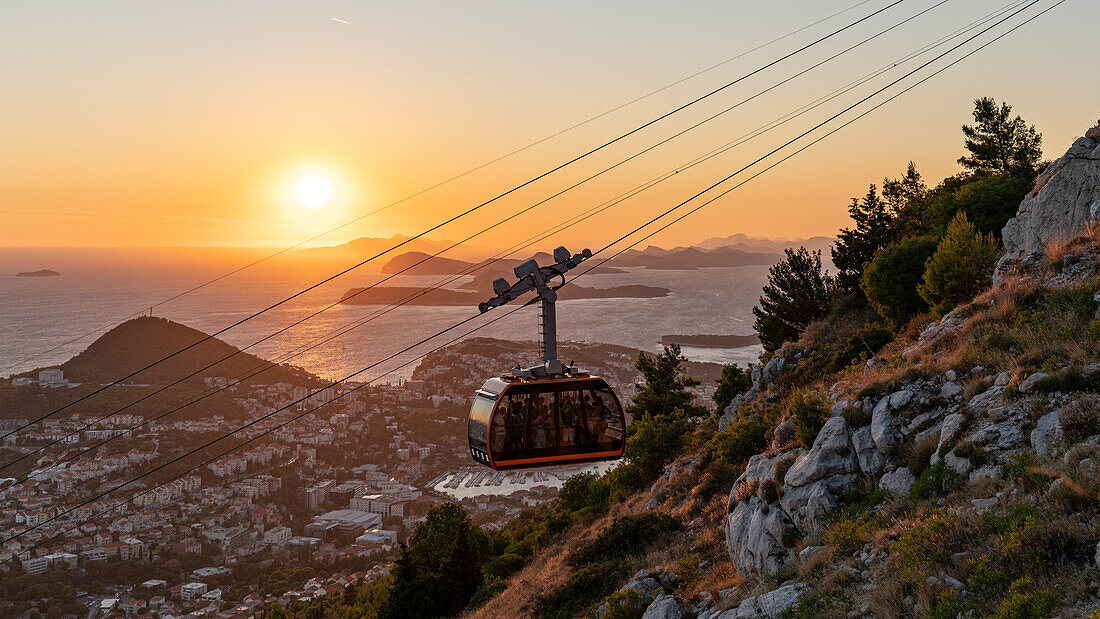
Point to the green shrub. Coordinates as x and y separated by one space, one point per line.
848 533
930 541
989 200
808 412
1079 300
1066 380
734 381
936 480
1021 468
622 605
652 442
959 268
745 437
890 280
584 587
584 491
504 565
1025 601
687 572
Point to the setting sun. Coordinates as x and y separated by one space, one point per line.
314 190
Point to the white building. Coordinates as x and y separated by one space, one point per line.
192 591
51 377
277 535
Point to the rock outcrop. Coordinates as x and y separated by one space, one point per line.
1065 199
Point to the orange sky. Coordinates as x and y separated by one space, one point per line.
173 124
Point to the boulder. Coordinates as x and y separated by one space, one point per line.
831 454
882 421
1059 207
1029 383
1046 435
950 390
809 552
754 537
772 604
645 586
663 607
809 506
897 482
958 464
784 432
949 431
871 459
987 399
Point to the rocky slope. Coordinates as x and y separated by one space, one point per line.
955 474
1066 198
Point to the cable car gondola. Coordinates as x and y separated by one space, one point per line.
549 414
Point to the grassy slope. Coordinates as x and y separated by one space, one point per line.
1031 552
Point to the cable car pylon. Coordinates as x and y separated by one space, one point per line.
533 277
547 414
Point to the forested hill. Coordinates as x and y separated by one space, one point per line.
137 343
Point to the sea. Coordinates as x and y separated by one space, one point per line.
46 320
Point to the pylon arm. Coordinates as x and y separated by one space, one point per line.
532 277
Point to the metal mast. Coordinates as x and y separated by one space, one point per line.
533 277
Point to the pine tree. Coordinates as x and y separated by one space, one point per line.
734 381
905 198
999 143
666 386
890 280
960 268
855 247
439 570
798 293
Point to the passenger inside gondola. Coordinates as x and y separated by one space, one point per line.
500 433
517 422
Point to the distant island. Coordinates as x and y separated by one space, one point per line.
42 273
385 295
711 341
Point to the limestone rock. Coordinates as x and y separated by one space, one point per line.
664 607
1047 432
809 552
950 390
729 414
754 537
897 482
809 505
1060 208
831 454
957 463
871 459
882 421
771 605
784 432
952 424
644 586
1029 383
988 398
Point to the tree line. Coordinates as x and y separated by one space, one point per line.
911 251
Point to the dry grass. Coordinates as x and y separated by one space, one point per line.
1092 232
549 569
919 453
1058 247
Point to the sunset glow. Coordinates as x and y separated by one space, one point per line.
314 190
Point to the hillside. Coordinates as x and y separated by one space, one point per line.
921 439
145 340
951 474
